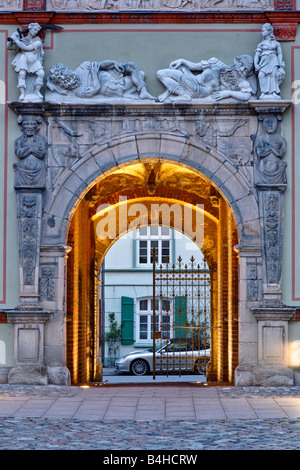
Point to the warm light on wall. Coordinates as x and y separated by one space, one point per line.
295 353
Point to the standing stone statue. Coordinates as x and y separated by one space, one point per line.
28 63
30 148
269 65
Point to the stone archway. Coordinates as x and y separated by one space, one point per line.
178 192
221 154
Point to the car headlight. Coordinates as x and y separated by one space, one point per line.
122 359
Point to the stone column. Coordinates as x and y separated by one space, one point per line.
250 294
52 288
271 315
29 317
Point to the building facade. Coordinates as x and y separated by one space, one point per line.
109 108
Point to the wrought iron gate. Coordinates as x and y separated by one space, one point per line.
181 317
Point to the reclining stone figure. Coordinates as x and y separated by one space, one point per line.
108 78
211 78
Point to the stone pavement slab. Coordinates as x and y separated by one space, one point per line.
152 418
148 402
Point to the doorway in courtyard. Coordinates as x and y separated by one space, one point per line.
134 197
155 266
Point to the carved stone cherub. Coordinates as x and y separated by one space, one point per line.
30 148
270 148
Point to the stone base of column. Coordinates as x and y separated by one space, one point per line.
29 365
28 375
265 376
59 375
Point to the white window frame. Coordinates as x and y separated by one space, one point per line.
149 313
148 238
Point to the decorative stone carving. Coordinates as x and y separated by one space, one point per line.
29 210
10 5
269 65
47 284
273 242
164 5
212 79
285 32
92 79
252 288
270 148
30 148
28 63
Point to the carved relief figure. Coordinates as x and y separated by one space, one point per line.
270 148
28 63
10 4
47 284
252 287
212 78
272 226
30 148
269 64
108 78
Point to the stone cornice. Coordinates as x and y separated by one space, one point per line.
125 107
278 17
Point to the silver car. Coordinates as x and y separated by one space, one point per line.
170 357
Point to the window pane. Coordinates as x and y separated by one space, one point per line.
143 326
166 305
165 231
154 231
154 244
143 231
156 304
144 304
165 252
156 325
143 252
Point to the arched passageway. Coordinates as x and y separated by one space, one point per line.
152 191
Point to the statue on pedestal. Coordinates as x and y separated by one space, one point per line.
269 65
28 63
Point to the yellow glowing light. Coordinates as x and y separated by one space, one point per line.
295 353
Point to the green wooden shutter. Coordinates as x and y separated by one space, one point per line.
180 316
127 320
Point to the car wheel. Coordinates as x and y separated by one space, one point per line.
201 365
139 367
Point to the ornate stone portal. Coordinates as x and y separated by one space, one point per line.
219 129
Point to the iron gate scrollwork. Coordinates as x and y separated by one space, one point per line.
182 305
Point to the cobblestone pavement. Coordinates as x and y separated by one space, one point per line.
137 418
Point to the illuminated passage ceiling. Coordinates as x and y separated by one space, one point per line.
129 196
